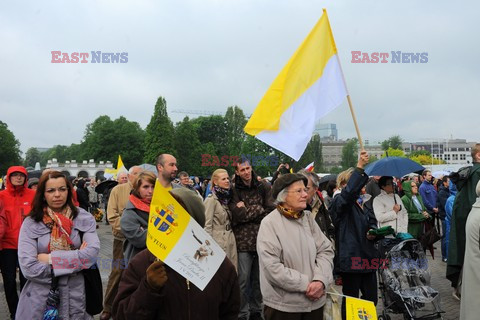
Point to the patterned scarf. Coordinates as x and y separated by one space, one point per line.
222 194
289 213
141 204
60 225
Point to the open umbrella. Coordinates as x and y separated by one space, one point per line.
105 185
393 166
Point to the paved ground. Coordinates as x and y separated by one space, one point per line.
437 268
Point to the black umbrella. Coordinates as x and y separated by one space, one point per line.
327 178
105 185
53 301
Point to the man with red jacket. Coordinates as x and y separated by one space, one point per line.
17 200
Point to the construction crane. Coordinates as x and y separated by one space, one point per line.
203 112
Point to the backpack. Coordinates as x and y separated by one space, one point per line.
460 177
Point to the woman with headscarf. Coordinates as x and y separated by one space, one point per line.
413 203
134 220
295 257
218 215
57 241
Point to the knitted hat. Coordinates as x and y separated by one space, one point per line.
286 180
191 202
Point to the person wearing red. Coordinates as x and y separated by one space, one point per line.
17 200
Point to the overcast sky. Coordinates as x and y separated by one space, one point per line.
210 54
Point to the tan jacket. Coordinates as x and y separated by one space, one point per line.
218 225
292 253
116 203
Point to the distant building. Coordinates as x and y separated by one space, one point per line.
452 151
84 169
326 131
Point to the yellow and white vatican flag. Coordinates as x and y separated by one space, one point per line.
120 165
178 240
309 86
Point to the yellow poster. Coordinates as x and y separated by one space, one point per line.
179 241
358 309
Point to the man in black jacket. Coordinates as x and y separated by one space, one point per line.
251 202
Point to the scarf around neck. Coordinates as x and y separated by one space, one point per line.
60 225
141 204
289 213
222 194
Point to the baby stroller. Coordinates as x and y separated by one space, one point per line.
404 281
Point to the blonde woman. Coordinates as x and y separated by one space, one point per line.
218 216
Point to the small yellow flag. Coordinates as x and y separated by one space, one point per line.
166 224
358 309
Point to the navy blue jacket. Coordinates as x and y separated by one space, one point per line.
352 223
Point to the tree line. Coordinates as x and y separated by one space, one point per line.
187 140
215 136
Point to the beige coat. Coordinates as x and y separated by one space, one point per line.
386 216
469 306
292 253
218 225
116 204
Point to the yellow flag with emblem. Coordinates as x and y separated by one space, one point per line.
167 222
175 238
359 309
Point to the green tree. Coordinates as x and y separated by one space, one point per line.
106 139
10 149
187 147
235 122
32 156
350 153
394 142
393 153
212 129
260 154
159 133
317 153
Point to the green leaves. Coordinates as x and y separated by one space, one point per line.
10 149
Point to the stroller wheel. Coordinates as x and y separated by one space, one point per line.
384 317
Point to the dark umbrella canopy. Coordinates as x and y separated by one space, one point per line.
327 178
107 184
393 166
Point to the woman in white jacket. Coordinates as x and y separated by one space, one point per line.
388 207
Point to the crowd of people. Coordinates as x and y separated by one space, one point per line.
286 240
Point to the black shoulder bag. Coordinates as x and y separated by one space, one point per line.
93 287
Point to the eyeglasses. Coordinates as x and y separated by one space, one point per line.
53 190
299 191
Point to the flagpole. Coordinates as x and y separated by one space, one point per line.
352 111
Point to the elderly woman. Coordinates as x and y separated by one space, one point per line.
388 207
134 221
413 203
357 256
218 215
295 257
50 245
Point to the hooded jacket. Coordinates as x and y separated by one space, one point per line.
17 201
415 218
3 222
